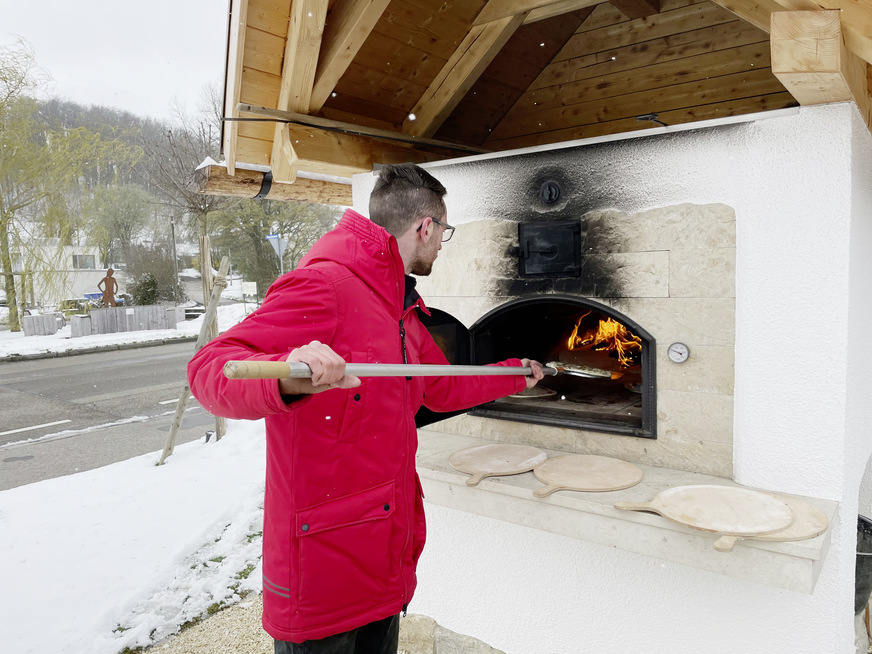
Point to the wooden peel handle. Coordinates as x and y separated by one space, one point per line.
635 506
262 370
280 369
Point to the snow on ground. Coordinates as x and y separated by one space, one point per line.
16 343
121 556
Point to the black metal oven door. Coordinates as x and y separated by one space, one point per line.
454 340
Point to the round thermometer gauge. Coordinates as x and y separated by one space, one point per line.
678 352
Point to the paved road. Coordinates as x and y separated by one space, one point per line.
63 415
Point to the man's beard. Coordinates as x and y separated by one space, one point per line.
422 264
421 267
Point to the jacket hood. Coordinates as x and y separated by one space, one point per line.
365 249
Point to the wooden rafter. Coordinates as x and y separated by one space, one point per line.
634 9
472 57
810 58
855 18
334 153
534 9
303 44
214 180
233 83
756 12
557 8
302 49
356 130
348 26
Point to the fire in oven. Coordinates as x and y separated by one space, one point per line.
579 333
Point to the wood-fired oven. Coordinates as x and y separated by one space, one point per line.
571 330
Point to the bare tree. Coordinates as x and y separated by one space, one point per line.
170 159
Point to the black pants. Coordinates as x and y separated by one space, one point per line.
381 637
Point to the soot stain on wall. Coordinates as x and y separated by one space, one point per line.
591 178
597 279
626 175
549 194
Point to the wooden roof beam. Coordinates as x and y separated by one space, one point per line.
328 152
856 18
533 10
233 81
634 9
756 12
469 61
303 44
558 9
215 180
856 23
347 27
810 59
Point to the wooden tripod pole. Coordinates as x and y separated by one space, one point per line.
205 336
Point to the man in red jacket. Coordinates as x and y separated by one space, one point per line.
343 507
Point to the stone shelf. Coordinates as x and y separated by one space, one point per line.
592 517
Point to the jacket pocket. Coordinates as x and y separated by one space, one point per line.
345 557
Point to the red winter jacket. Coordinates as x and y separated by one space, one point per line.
343 512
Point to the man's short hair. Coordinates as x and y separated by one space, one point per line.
403 194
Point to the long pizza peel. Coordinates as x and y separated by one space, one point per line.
282 369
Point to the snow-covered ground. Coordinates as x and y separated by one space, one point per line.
16 343
121 556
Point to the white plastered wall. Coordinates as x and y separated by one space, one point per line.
800 184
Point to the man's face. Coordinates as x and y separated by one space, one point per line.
422 263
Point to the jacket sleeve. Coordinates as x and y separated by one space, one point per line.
299 308
444 394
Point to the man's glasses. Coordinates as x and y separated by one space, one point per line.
446 234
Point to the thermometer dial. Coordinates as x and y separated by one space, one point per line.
678 352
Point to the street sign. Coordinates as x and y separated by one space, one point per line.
279 244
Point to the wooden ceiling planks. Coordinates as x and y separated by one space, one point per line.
608 59
517 66
598 70
420 28
405 52
693 59
737 107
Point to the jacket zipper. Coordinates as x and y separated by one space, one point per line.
405 474
403 341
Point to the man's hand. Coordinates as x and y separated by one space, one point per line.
328 371
537 373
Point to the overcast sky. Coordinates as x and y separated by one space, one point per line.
135 56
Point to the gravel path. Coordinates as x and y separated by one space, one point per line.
234 630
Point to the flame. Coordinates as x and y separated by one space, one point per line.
609 336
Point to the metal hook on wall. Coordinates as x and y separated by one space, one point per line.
653 118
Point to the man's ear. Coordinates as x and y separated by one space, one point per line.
426 229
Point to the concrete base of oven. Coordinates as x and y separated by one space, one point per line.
592 517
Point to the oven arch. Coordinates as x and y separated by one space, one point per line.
510 329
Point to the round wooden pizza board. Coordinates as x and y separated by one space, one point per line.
726 510
494 460
585 472
808 522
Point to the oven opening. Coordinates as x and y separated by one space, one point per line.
582 333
